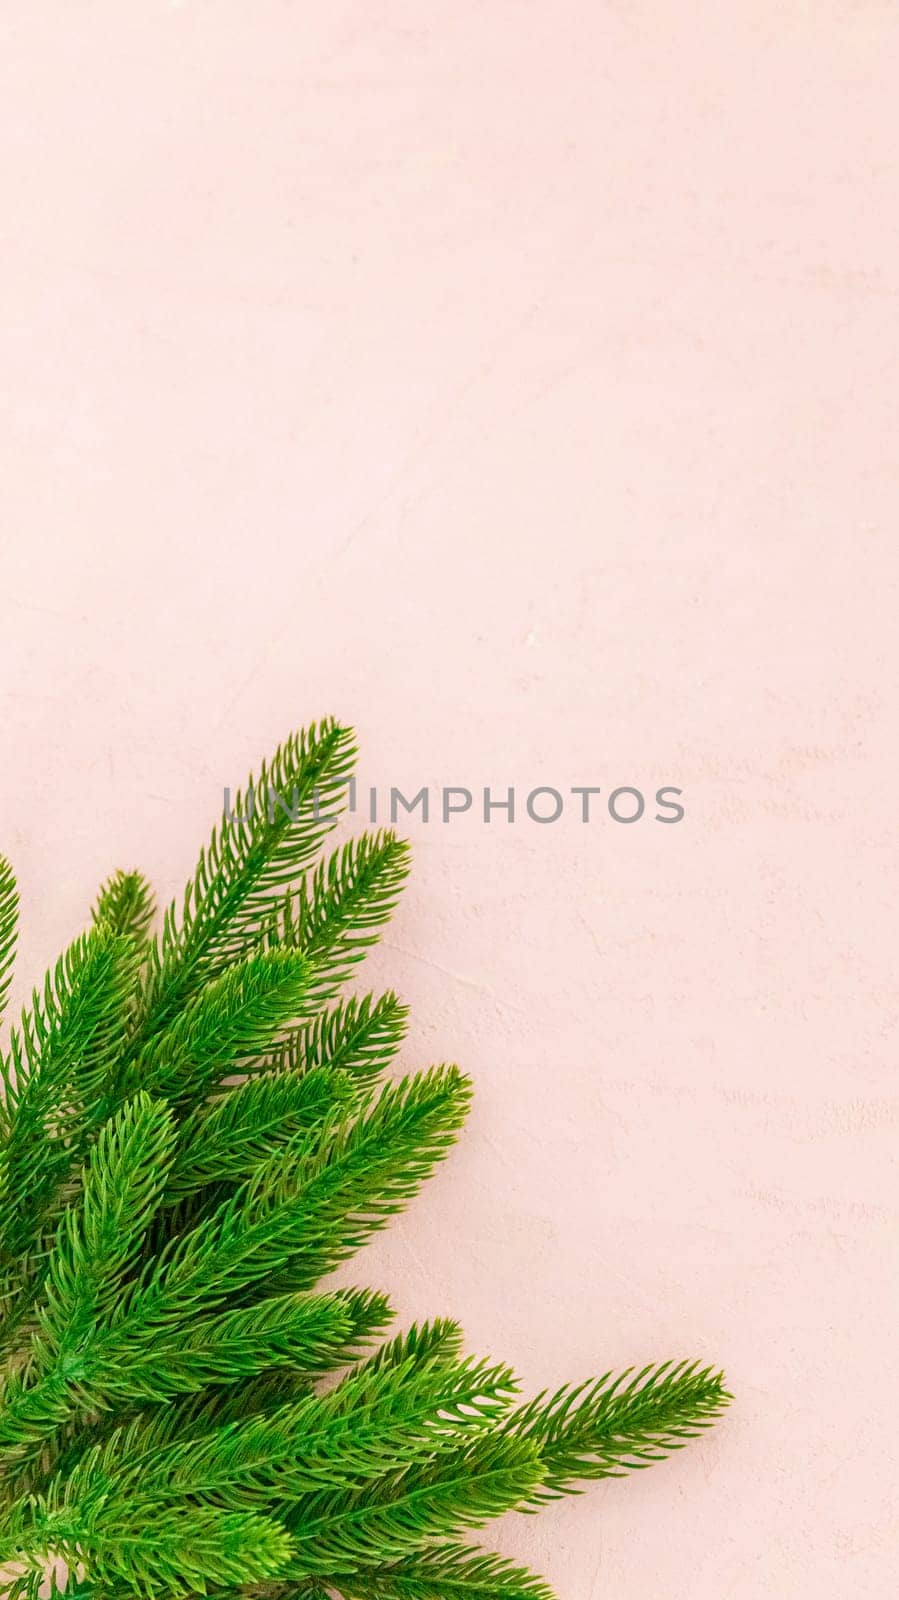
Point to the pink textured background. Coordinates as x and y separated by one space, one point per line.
518 381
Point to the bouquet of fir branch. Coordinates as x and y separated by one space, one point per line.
195 1130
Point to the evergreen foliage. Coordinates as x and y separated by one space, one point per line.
194 1135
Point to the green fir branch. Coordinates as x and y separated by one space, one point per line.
125 903
227 1137
337 915
266 839
191 1140
100 1238
62 1060
9 922
612 1426
405 1510
176 1553
359 1036
448 1572
233 1021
